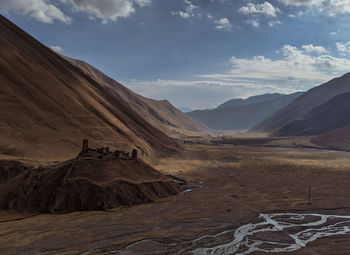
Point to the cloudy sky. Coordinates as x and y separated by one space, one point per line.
197 53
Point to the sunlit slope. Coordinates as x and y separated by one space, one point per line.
160 114
47 105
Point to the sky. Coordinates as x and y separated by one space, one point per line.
197 53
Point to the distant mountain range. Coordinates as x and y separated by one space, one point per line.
241 114
322 112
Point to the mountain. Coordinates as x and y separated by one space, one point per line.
337 139
250 100
245 116
160 114
305 103
48 104
331 115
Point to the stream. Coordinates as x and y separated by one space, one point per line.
269 233
280 232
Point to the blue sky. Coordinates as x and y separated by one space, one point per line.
197 53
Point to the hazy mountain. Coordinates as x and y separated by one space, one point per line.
49 103
305 103
242 117
250 100
331 115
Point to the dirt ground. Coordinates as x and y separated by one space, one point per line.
228 186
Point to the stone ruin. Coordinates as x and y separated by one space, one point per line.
105 152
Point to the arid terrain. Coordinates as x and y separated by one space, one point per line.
228 186
162 182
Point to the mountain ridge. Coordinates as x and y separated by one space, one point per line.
331 115
250 100
304 104
162 114
241 117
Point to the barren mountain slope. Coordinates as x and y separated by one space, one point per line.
160 114
47 105
329 116
305 103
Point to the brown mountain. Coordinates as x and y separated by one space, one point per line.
337 139
49 103
331 115
160 114
305 103
239 114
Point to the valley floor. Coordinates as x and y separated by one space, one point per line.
228 186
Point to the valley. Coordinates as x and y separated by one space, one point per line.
228 186
88 166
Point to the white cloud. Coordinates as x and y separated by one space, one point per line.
309 48
294 70
190 11
253 22
56 48
143 2
331 7
184 15
265 8
107 10
273 23
47 12
222 23
343 47
40 10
